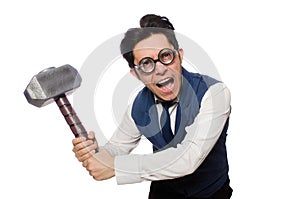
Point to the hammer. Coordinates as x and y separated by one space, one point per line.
53 84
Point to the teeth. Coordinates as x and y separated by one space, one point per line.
164 81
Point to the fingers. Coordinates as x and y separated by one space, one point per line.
83 142
78 140
98 167
85 147
85 154
91 136
82 158
95 168
82 145
85 163
85 150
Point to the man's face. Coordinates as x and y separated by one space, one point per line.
165 80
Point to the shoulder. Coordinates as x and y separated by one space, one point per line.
218 94
198 82
199 79
143 96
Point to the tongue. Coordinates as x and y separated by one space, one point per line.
167 87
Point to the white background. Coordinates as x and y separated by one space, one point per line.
254 45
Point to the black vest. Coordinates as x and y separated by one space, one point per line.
213 172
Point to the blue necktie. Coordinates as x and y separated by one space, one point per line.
166 122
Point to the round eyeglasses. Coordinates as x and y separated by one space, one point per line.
165 56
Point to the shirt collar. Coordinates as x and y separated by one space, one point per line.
159 101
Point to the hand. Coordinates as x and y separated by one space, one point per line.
85 148
100 165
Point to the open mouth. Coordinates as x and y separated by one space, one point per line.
165 82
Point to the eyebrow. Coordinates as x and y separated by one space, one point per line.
156 54
146 57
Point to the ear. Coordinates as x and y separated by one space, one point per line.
180 51
133 73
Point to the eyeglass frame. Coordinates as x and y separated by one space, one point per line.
139 67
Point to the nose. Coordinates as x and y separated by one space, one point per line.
160 68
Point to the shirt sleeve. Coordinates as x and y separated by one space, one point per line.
125 138
190 153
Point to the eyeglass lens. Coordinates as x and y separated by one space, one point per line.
165 56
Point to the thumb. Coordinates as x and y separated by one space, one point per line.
91 135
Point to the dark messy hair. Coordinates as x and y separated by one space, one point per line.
150 24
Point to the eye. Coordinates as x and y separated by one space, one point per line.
146 64
166 56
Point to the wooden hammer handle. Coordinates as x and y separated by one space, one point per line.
70 116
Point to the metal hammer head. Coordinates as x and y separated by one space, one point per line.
50 84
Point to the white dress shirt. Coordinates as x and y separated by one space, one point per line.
172 162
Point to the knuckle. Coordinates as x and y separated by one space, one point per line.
89 167
89 161
76 147
84 163
84 158
74 141
98 178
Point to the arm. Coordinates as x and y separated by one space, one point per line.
101 165
183 160
125 138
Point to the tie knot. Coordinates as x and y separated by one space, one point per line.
168 104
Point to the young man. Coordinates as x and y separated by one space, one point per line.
184 115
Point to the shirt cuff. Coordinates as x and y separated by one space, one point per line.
127 169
